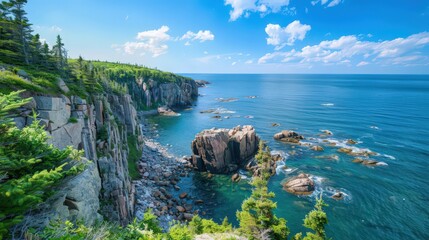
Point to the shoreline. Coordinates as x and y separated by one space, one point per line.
158 189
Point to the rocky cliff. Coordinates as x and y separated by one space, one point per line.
101 127
224 150
151 94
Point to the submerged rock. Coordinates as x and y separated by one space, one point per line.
288 136
299 185
224 150
351 141
329 157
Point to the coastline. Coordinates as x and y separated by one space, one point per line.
158 189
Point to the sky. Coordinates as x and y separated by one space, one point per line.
243 36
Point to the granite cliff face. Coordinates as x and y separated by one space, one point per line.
224 150
152 94
101 128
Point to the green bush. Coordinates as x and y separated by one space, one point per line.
29 166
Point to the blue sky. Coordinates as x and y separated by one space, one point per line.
243 36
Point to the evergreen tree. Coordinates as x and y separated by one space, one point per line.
9 47
256 218
36 50
60 54
29 166
316 220
46 57
23 28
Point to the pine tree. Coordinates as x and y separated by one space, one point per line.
36 50
29 166
9 47
256 218
316 220
60 54
47 60
23 28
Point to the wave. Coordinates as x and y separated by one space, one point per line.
388 156
374 127
223 111
343 144
327 104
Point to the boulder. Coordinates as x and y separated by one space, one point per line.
235 177
62 85
188 216
351 141
288 136
345 150
338 196
165 111
183 195
180 209
317 148
224 150
299 185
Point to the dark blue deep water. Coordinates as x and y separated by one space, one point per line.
387 114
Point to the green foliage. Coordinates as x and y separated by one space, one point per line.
134 155
256 218
180 232
73 120
147 229
10 82
29 166
316 220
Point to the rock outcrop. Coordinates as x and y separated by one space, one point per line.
288 136
224 150
77 199
299 185
150 93
100 128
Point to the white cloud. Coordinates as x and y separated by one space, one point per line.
332 3
279 37
233 63
363 63
396 51
245 7
152 41
202 36
249 62
53 28
205 52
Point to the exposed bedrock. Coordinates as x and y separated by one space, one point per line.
224 150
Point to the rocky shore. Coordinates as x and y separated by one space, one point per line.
158 188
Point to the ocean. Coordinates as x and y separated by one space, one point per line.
386 114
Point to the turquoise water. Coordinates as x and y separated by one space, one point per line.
388 114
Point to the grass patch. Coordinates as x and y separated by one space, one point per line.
10 82
133 156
